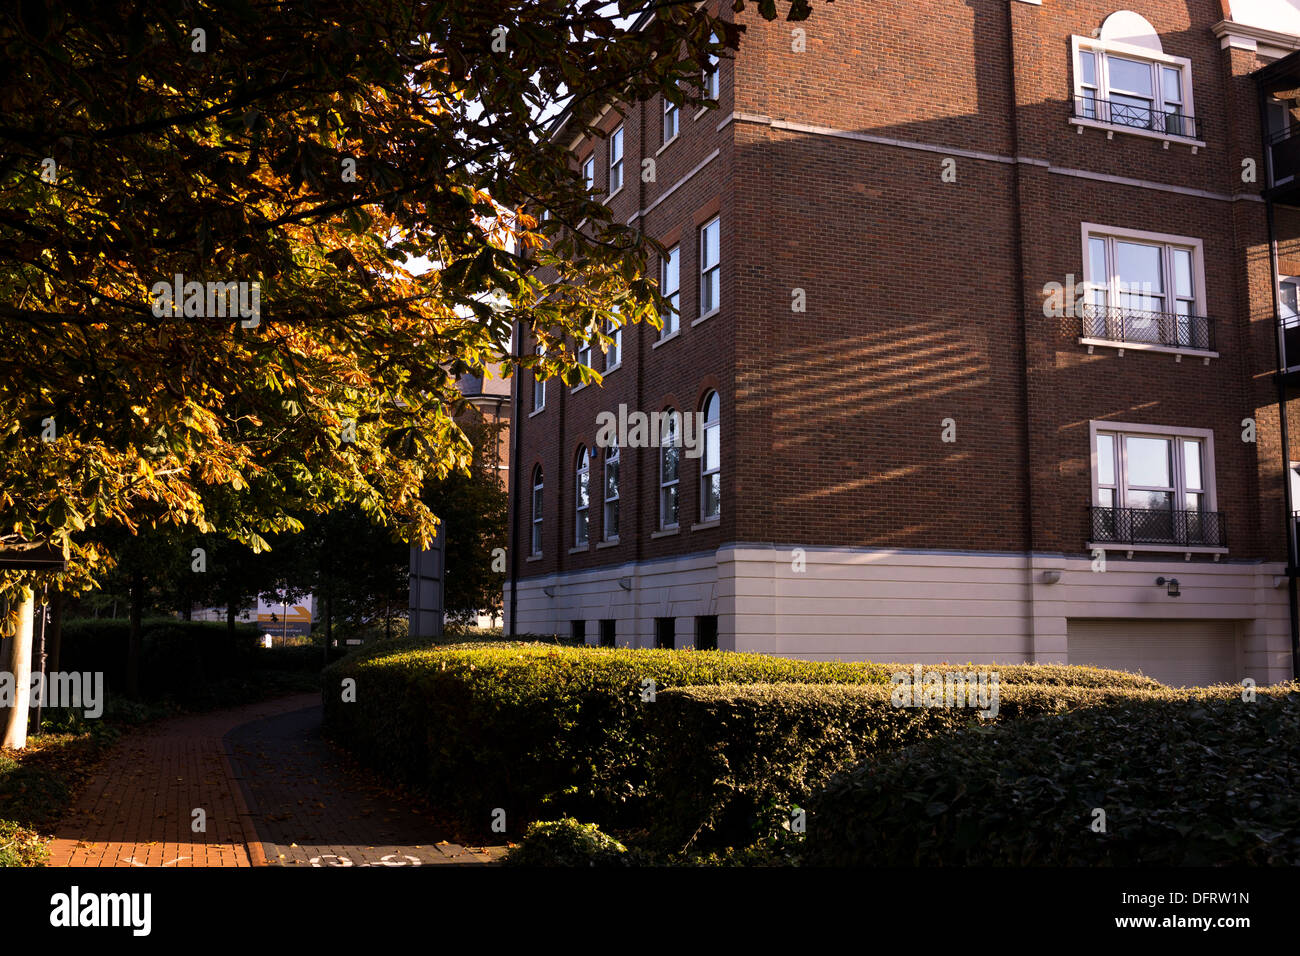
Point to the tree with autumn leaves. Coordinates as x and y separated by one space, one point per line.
313 149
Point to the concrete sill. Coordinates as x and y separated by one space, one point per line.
1186 550
1177 351
666 339
666 533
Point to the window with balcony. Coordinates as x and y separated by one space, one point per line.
1288 310
616 161
1154 486
1131 88
670 275
1144 290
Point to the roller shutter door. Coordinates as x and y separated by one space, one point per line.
1178 653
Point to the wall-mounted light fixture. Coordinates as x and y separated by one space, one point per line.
1051 577
625 583
549 590
1170 585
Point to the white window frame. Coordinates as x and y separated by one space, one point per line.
711 72
1092 230
536 523
705 472
671 324
672 110
1287 322
1105 48
612 458
584 358
1137 430
674 483
616 160
589 172
1278 113
539 383
710 272
581 509
614 351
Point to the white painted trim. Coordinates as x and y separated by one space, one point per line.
1270 42
1154 548
705 316
666 532
1147 347
993 158
1146 54
676 137
674 187
1134 131
667 338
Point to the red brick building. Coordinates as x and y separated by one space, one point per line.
978 306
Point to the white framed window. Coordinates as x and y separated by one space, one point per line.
670 276
710 266
537 511
1144 288
589 173
582 496
610 527
710 77
614 350
616 161
584 353
1279 123
672 119
1133 87
1288 310
1153 485
669 465
539 383
711 460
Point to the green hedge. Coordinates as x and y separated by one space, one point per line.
537 730
543 730
1185 777
566 842
731 761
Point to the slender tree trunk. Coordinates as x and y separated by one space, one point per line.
231 611
135 641
18 663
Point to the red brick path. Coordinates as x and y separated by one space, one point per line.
273 793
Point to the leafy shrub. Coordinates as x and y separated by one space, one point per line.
535 729
1185 777
20 846
731 762
539 729
567 842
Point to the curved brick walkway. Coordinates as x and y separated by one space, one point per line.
272 790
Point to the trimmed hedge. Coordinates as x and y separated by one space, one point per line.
544 730
731 761
1185 777
567 842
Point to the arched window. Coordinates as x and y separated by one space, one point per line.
537 510
711 460
670 450
582 487
610 530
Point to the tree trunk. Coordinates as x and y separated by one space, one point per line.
231 611
135 641
18 663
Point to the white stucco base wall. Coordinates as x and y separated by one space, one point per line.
932 607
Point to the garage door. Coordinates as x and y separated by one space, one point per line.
1178 653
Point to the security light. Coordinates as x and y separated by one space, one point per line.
1170 585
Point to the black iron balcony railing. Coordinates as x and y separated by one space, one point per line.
1149 328
1158 526
1283 151
1167 122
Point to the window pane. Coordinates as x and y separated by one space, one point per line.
712 496
1097 270
1131 76
1106 497
1192 502
669 467
672 266
1139 266
709 245
1106 459
1192 465
1088 67
669 505
1171 86
1148 462
1151 500
1290 294
1183 272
